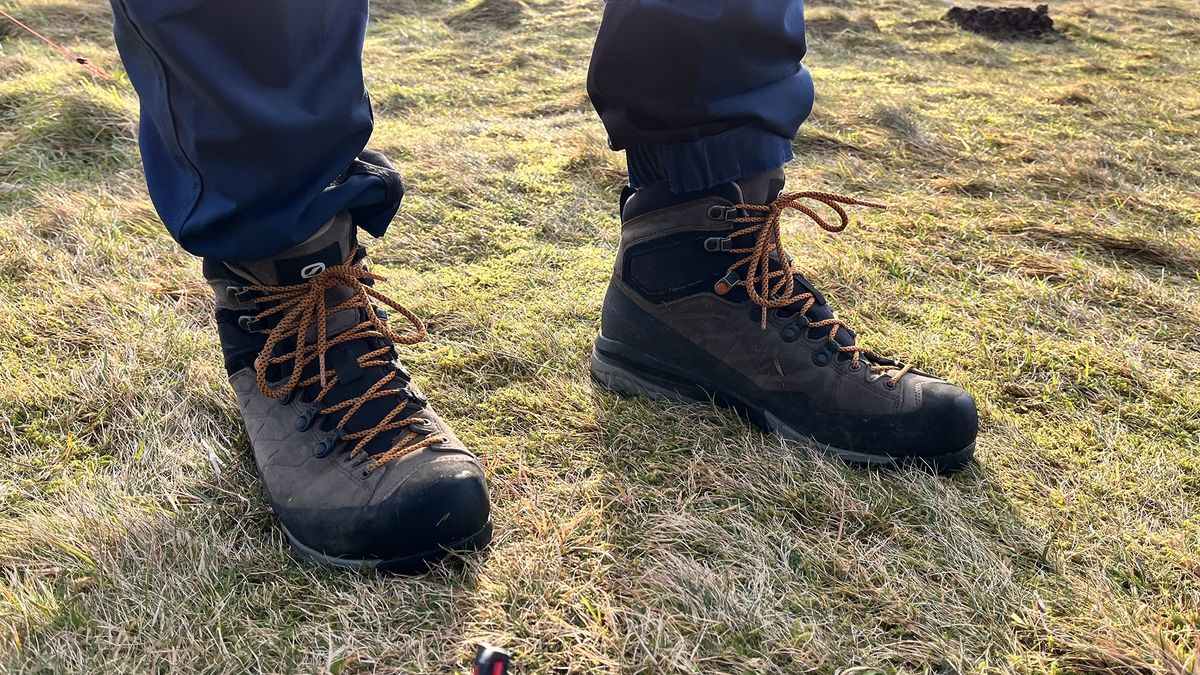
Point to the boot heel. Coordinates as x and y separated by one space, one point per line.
617 376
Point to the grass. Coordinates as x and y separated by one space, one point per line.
1043 249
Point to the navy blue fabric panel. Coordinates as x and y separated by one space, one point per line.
252 112
701 92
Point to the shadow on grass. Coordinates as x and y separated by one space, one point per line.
214 583
735 550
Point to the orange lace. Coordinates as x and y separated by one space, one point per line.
774 289
303 307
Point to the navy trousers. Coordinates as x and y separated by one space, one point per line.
254 115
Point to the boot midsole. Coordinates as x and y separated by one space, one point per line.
413 563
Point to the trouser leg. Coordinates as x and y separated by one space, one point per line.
701 92
254 118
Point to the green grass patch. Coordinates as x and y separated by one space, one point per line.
1042 247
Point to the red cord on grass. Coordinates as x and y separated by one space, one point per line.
88 65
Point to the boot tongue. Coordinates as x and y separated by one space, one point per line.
763 188
329 247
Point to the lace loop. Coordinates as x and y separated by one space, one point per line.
303 307
770 289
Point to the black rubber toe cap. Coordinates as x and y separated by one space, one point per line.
946 423
441 504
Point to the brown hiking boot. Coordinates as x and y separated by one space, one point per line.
705 304
359 468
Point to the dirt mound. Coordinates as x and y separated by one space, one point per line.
495 13
1004 21
835 22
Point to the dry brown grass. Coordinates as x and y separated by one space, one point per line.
1042 248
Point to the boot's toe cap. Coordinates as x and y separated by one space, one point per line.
441 505
946 423
443 502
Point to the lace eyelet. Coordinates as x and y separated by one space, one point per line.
364 474
423 426
306 419
890 384
718 244
726 283
249 323
718 212
327 445
236 293
855 367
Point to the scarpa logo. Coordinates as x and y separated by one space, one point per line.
312 270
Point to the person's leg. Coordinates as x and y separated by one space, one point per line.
254 120
701 92
253 114
705 97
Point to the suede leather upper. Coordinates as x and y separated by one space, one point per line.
664 313
425 500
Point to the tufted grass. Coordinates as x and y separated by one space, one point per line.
1042 248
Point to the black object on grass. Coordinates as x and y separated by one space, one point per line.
1004 21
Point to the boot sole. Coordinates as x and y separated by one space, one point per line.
623 376
417 563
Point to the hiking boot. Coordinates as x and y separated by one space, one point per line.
705 304
359 468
